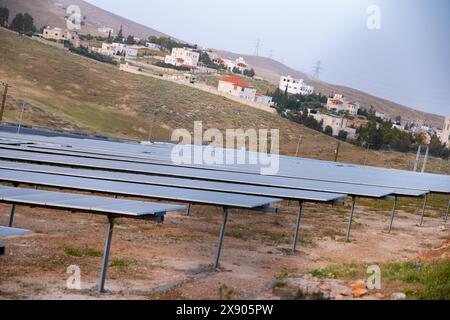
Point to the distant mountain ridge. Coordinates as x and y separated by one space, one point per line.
51 12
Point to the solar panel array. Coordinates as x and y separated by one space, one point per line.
289 166
147 171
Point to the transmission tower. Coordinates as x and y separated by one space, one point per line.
316 69
258 46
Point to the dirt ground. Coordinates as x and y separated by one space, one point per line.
173 260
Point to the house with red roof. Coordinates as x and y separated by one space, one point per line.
237 87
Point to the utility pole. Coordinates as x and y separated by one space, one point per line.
150 131
21 117
298 145
2 110
336 152
425 159
417 159
367 153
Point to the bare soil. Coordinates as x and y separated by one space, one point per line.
173 260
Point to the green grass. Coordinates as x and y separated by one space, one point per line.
226 292
421 280
82 252
120 263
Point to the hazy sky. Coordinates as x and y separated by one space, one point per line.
406 61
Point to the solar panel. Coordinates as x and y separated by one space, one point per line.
85 202
12 232
150 191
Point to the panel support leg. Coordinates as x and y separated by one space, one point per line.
11 215
188 213
221 236
423 210
297 226
446 212
392 214
109 234
352 210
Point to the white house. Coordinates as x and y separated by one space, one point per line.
239 64
183 57
445 134
339 103
117 50
267 100
106 30
153 46
295 86
237 87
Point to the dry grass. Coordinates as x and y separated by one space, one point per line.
66 91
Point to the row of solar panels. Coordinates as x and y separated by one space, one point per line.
303 168
96 204
209 175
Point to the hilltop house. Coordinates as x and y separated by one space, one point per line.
106 30
231 65
183 57
295 86
117 50
237 87
59 35
336 123
339 103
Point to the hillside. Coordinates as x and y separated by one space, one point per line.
66 91
49 12
272 70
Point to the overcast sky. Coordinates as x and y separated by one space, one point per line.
406 61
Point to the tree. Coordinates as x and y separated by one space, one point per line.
236 70
28 23
130 40
437 148
249 73
328 131
23 23
342 135
17 23
4 17
109 40
119 37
